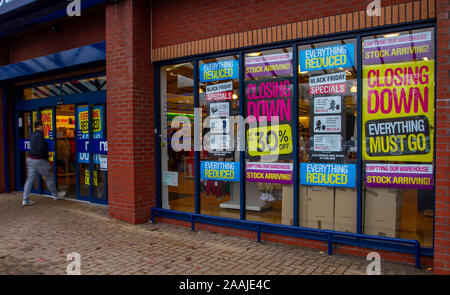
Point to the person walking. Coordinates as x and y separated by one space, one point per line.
37 164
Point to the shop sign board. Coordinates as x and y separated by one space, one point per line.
322 174
268 65
325 58
221 70
269 172
398 112
403 176
328 84
225 171
397 49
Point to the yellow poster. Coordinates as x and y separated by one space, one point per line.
83 118
47 123
398 112
270 140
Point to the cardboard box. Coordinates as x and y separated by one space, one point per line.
345 209
287 213
303 204
382 212
320 207
287 205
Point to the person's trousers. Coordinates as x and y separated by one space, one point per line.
37 167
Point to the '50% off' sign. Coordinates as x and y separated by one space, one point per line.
269 140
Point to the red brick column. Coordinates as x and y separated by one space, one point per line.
4 59
442 218
130 111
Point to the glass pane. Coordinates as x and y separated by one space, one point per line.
83 157
219 100
26 127
398 134
43 91
47 122
84 85
177 153
269 114
65 149
327 86
98 119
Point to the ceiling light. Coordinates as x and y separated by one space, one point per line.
354 89
254 54
391 35
425 58
235 96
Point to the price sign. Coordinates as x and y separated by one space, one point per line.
270 140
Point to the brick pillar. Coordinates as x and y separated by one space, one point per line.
4 59
130 111
442 213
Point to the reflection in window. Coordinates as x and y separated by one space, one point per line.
177 109
327 82
84 85
40 92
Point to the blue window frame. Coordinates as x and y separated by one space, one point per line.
357 239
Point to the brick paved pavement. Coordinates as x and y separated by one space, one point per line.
37 239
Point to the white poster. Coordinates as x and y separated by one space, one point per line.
220 125
327 79
327 124
219 109
220 142
103 162
327 105
221 87
170 178
327 143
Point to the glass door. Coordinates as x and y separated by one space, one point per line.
47 117
65 149
91 153
25 123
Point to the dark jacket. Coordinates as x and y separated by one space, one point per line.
38 146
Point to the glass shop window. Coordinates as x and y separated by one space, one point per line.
268 133
220 167
177 142
327 86
84 85
398 135
43 91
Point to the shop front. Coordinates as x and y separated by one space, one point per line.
312 123
328 138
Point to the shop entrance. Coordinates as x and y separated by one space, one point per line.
65 149
73 115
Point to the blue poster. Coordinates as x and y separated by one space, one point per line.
332 57
338 175
83 126
221 70
226 171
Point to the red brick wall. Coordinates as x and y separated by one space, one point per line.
442 226
178 21
130 107
73 32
